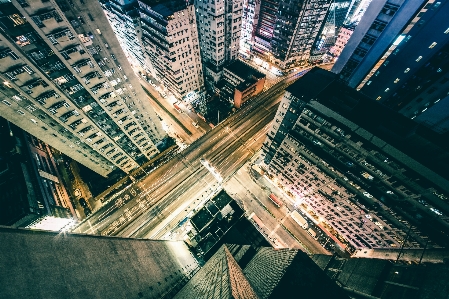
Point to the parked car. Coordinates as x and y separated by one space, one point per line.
87 211
83 203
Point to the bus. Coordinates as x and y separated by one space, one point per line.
275 200
299 219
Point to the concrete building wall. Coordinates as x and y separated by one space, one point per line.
378 29
219 29
65 69
39 264
342 39
240 96
286 32
170 36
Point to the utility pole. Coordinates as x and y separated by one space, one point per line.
218 121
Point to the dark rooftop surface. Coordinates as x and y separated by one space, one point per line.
244 70
385 279
247 83
39 264
289 273
417 141
166 7
312 83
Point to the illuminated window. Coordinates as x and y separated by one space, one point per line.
378 98
397 80
419 58
432 45
446 31
407 70
387 89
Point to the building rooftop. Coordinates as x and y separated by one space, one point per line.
40 264
312 83
243 70
166 7
381 278
261 273
417 141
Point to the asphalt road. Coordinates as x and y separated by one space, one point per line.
183 181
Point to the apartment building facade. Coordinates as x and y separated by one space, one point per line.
67 82
375 37
287 31
123 17
169 34
219 28
413 79
351 164
250 17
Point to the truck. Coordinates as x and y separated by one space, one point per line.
299 219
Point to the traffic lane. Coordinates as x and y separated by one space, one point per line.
105 214
199 148
232 149
242 136
102 218
154 188
272 229
304 237
185 194
190 201
241 155
155 200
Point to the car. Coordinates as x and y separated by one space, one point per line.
390 192
83 203
87 211
195 124
436 211
367 194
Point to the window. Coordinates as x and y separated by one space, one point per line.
378 98
387 89
397 80
6 103
378 25
407 70
419 58
432 45
446 31
20 112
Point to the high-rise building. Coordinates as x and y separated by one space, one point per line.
338 11
239 83
123 15
169 35
67 82
250 18
219 28
32 189
287 31
237 271
356 11
342 39
414 77
376 35
343 157
53 265
377 278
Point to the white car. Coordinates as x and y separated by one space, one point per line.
367 194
